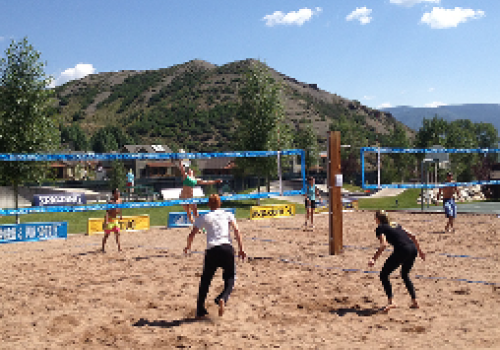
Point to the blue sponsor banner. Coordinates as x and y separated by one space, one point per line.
59 199
34 231
82 208
429 150
180 219
431 185
37 157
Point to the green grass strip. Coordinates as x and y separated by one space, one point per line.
77 222
405 200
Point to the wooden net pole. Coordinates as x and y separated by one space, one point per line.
335 194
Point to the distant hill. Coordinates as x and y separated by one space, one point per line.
194 106
413 117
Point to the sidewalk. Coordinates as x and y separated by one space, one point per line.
388 192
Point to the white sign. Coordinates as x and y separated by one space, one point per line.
338 180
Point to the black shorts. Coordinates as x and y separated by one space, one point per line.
312 203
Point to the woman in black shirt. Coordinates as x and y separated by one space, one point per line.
406 249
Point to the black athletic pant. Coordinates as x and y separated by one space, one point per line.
406 258
219 256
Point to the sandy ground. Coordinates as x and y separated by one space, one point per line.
291 294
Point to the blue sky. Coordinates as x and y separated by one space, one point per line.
380 52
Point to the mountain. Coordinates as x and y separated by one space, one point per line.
194 106
477 113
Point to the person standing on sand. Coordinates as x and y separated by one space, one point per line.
405 251
111 223
130 181
219 253
450 208
310 202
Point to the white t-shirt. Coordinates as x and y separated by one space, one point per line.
216 223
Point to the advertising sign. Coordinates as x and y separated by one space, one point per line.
128 224
180 219
59 199
321 207
349 204
34 231
272 211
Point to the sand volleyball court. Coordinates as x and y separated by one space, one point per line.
290 294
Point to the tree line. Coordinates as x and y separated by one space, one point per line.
437 131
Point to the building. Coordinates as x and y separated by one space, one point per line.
145 168
216 166
73 170
495 175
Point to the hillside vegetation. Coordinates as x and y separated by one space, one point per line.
195 106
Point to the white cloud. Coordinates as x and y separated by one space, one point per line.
435 104
410 3
362 14
441 18
384 105
431 89
293 17
81 70
368 98
2 38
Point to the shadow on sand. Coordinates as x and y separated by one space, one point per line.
169 324
90 252
147 257
438 232
360 312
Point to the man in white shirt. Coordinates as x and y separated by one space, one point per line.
219 253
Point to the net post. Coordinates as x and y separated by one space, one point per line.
422 189
378 168
279 174
334 187
303 169
362 167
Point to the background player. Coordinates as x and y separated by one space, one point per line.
111 223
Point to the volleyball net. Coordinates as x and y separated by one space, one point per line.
85 157
372 162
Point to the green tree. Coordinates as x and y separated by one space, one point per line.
355 136
27 119
306 139
261 114
110 138
433 132
75 136
397 166
487 135
118 176
461 134
103 142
